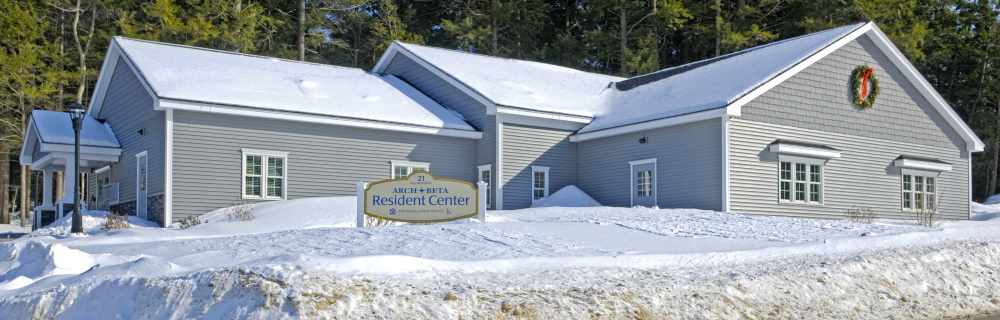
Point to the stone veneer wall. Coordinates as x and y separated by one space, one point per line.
127 207
154 209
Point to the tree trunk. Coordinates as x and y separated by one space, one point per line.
996 155
623 39
718 26
302 30
5 186
25 170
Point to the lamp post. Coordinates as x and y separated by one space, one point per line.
76 111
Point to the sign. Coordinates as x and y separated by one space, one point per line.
421 197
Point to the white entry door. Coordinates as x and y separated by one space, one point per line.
141 173
643 176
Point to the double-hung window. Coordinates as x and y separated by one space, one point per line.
486 175
402 169
800 180
264 174
919 191
539 182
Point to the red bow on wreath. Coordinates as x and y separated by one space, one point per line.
863 95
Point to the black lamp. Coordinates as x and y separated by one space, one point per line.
76 113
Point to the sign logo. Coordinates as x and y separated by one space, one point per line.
421 197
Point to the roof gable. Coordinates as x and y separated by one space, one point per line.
213 77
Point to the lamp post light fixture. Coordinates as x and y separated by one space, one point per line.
76 113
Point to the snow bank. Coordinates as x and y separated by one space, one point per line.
568 196
326 212
93 222
29 261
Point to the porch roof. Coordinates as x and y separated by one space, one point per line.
49 142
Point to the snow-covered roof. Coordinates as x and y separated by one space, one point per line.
56 127
707 84
518 83
219 77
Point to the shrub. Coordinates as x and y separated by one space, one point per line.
860 214
190 221
114 221
928 218
240 211
376 222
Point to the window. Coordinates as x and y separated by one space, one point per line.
485 175
539 182
264 174
644 183
800 180
919 191
402 169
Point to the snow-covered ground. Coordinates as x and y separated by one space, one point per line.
303 258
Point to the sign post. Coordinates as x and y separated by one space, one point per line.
421 197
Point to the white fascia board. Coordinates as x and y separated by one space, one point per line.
921 165
643 161
41 162
649 125
312 118
542 122
84 150
395 48
735 108
973 143
54 156
105 77
726 186
168 168
544 115
803 151
28 143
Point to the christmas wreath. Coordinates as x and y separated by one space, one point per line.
865 87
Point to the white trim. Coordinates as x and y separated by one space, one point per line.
807 161
314 118
725 165
970 187
578 118
102 169
631 184
143 153
547 185
406 163
168 169
51 158
736 106
643 161
542 122
499 155
649 125
489 185
973 143
263 175
921 173
792 149
28 144
395 49
921 165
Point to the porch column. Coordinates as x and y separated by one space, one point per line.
47 187
70 177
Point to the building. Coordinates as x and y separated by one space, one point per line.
771 130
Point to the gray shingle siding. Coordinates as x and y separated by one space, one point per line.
525 146
128 108
453 98
863 175
819 98
688 168
323 160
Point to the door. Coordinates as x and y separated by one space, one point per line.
643 183
141 174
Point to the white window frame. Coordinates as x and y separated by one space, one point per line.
264 154
410 166
545 190
808 162
489 184
913 174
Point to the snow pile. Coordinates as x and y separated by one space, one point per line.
568 196
329 212
994 199
25 262
93 222
228 78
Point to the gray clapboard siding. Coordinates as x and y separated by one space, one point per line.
862 176
688 168
451 97
128 108
819 98
323 160
525 146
